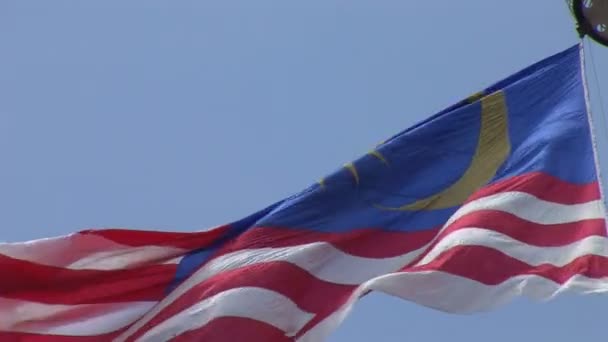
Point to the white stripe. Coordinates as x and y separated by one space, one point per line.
92 319
246 302
174 260
88 251
128 258
531 208
326 262
451 293
532 255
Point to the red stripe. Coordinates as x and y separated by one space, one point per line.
231 329
369 243
138 238
49 319
529 232
54 285
309 293
545 187
492 267
25 337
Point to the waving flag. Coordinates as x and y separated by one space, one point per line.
492 198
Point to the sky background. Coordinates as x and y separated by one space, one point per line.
183 115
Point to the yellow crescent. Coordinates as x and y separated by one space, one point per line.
493 148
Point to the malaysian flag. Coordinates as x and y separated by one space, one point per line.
494 197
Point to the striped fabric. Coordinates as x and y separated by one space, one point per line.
111 283
537 229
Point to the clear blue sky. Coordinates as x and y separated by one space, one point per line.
181 115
